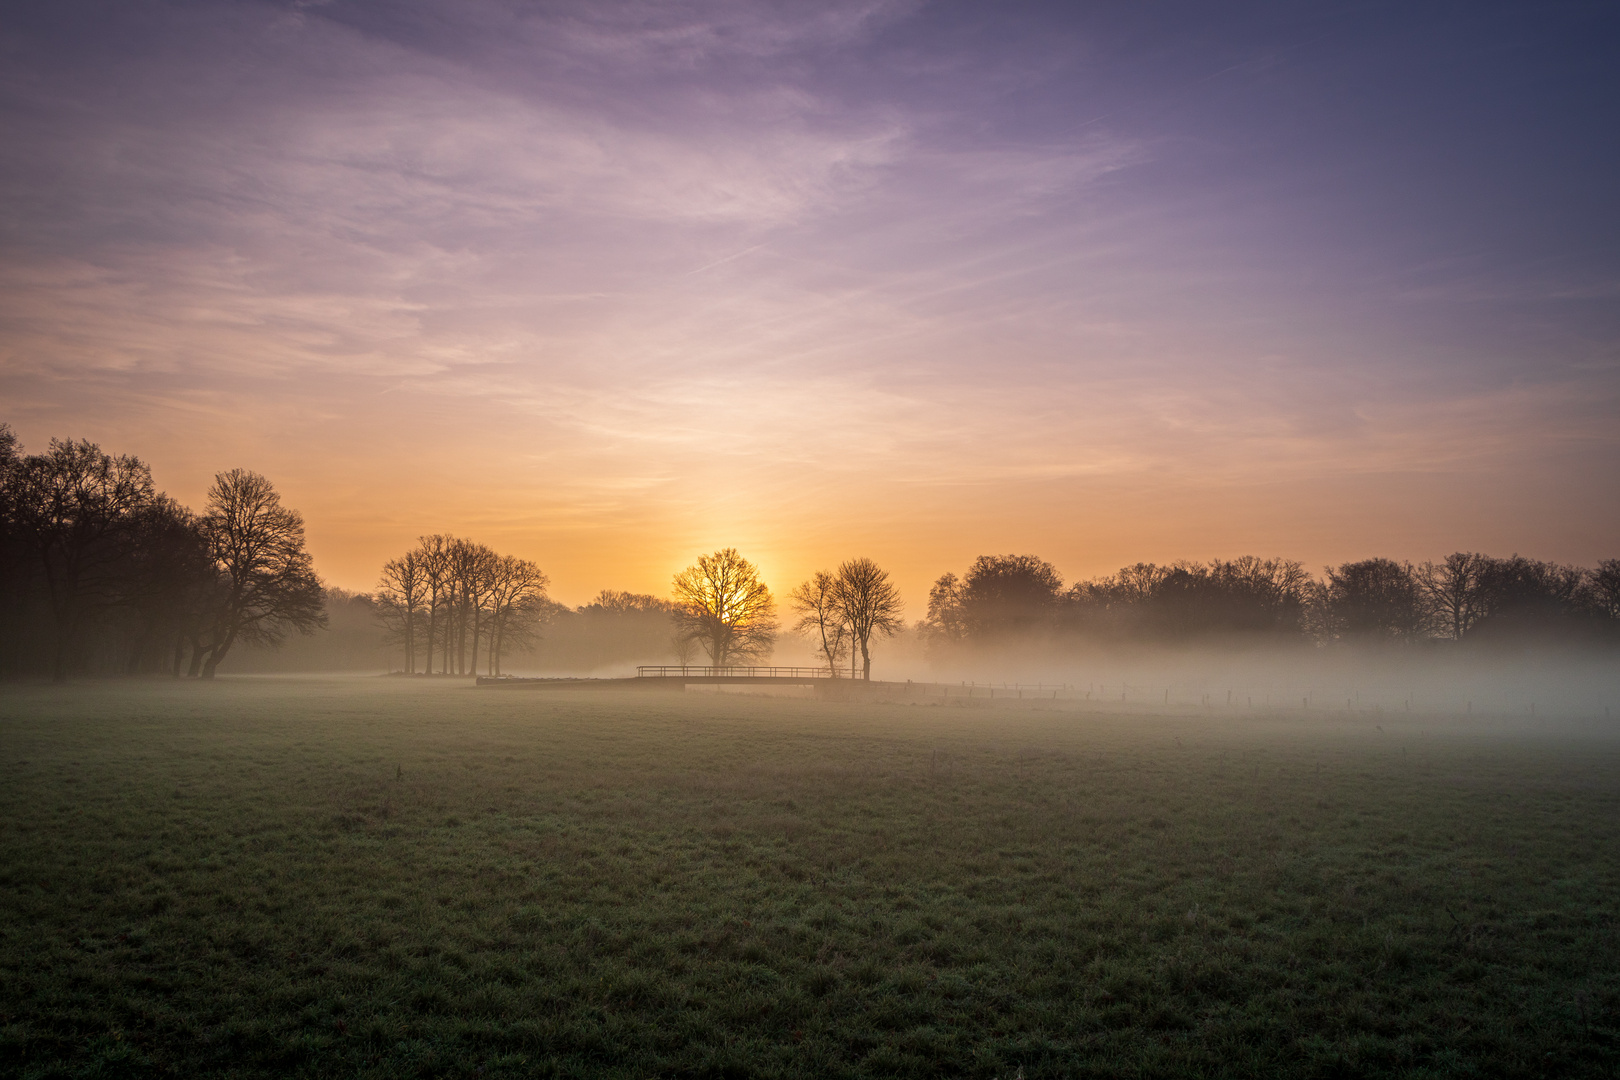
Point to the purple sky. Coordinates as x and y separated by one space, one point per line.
608 285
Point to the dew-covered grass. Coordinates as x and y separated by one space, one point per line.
368 877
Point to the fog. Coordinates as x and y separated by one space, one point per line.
1486 682
1432 679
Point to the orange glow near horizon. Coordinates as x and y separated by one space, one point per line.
364 513
610 287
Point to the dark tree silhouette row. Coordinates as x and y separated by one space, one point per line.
1465 596
103 572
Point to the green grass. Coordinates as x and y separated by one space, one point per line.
384 878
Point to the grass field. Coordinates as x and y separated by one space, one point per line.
386 878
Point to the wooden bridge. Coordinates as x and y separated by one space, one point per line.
825 681
685 674
676 677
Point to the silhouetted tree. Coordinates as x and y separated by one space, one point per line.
401 593
618 603
268 584
433 553
1008 595
15 558
1605 589
944 626
1000 598
78 511
1260 595
817 604
1451 593
1242 597
518 605
726 608
172 582
1520 598
1372 599
870 604
473 566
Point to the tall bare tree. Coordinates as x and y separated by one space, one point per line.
472 568
816 603
870 604
401 594
517 604
268 584
726 608
433 552
486 569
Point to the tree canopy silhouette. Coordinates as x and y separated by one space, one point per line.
870 604
267 580
80 512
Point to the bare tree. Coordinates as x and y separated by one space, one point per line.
476 568
517 603
433 552
726 608
268 583
1138 583
816 602
401 593
1451 592
870 604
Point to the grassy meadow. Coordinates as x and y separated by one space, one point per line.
386 878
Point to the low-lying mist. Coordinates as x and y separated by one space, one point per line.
1417 679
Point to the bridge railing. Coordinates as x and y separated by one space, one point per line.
651 671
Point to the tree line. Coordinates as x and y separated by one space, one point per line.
100 571
1465 597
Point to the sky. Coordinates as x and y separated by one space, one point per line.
610 285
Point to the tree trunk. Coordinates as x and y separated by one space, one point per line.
477 621
866 663
433 615
461 642
216 654
196 658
